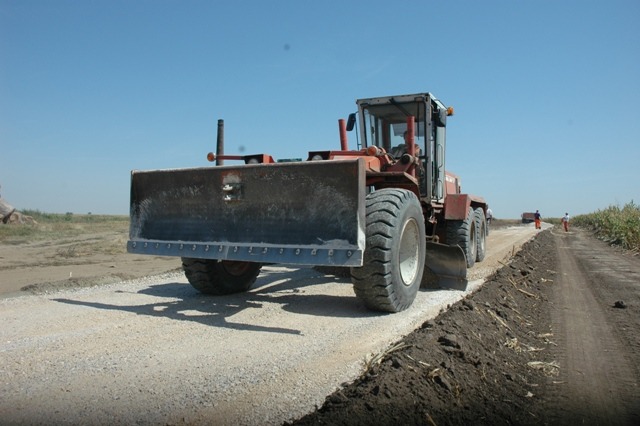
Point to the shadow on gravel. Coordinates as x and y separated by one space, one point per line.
183 303
200 311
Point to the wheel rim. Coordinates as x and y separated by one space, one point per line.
409 252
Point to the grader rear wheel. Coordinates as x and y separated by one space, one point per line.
481 231
464 234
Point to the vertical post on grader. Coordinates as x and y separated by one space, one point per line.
220 144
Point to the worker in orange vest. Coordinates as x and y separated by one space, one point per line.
536 218
565 222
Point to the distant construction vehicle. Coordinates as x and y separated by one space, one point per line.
528 217
385 210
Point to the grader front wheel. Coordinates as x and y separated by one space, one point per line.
220 277
395 251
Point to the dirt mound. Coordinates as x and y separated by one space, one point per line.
8 214
487 360
17 218
6 210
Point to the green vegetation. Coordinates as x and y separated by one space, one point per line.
53 226
42 217
618 226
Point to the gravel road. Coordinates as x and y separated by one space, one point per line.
154 351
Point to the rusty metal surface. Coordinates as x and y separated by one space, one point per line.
457 207
300 213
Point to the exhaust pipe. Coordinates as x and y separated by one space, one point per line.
344 144
220 144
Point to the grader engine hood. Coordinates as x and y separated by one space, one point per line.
306 213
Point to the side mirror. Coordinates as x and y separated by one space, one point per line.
351 121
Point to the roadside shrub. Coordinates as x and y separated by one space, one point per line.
616 225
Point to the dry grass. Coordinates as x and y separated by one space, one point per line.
60 227
548 368
379 357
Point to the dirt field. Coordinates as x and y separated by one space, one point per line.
92 258
551 338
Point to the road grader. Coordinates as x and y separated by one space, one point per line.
387 211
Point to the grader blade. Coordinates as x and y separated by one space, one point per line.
305 213
449 264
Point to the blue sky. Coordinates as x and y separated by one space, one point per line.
546 93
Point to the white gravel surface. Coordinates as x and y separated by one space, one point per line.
155 351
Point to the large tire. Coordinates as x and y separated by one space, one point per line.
390 276
481 231
463 233
220 277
